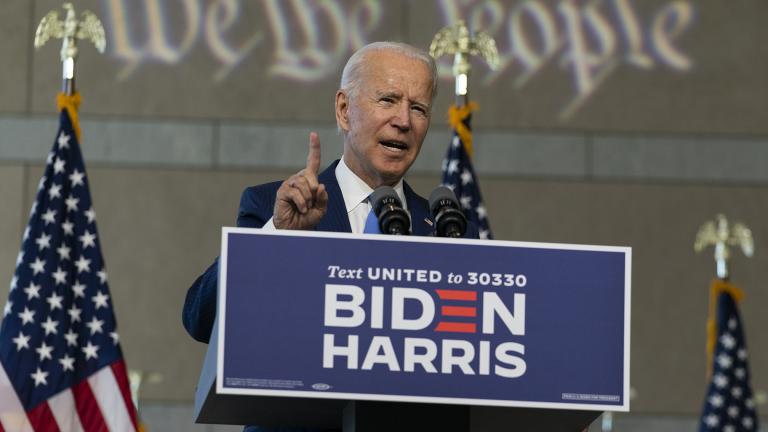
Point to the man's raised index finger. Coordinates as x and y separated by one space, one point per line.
313 157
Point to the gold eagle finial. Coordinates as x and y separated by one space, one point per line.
457 40
722 235
69 31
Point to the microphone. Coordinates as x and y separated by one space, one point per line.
449 217
393 219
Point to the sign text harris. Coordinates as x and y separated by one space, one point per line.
435 324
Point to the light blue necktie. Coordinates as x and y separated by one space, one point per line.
371 223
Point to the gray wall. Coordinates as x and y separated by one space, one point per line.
648 157
672 66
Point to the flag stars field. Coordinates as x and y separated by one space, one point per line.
50 326
38 266
74 314
60 276
63 141
63 252
95 326
54 191
27 317
728 404
728 341
100 300
458 174
58 166
21 341
716 401
68 227
32 291
54 301
44 351
76 178
466 177
83 265
43 242
71 337
87 239
67 363
49 216
78 289
91 351
40 377
724 361
91 215
720 380
71 203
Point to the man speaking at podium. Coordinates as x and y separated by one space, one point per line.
383 109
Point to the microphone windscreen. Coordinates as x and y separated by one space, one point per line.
440 197
383 195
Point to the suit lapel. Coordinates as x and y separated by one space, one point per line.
335 218
421 222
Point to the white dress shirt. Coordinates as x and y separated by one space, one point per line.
355 192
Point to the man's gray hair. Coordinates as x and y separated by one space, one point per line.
351 76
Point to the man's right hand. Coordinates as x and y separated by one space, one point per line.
301 201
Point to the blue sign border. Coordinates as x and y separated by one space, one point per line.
586 402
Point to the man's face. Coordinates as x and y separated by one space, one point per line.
386 121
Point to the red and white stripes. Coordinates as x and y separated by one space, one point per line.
100 403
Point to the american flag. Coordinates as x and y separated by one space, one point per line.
61 366
728 405
458 173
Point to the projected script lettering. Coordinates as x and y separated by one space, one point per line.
309 40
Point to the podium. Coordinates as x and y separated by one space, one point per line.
372 333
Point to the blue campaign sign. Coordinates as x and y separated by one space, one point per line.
374 317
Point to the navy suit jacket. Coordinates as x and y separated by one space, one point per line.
256 207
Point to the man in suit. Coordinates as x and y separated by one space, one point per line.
383 109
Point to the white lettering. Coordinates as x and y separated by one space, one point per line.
457 353
333 305
425 359
503 355
485 358
399 297
667 26
590 67
330 351
381 351
633 34
365 17
220 18
157 45
377 307
310 62
493 306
